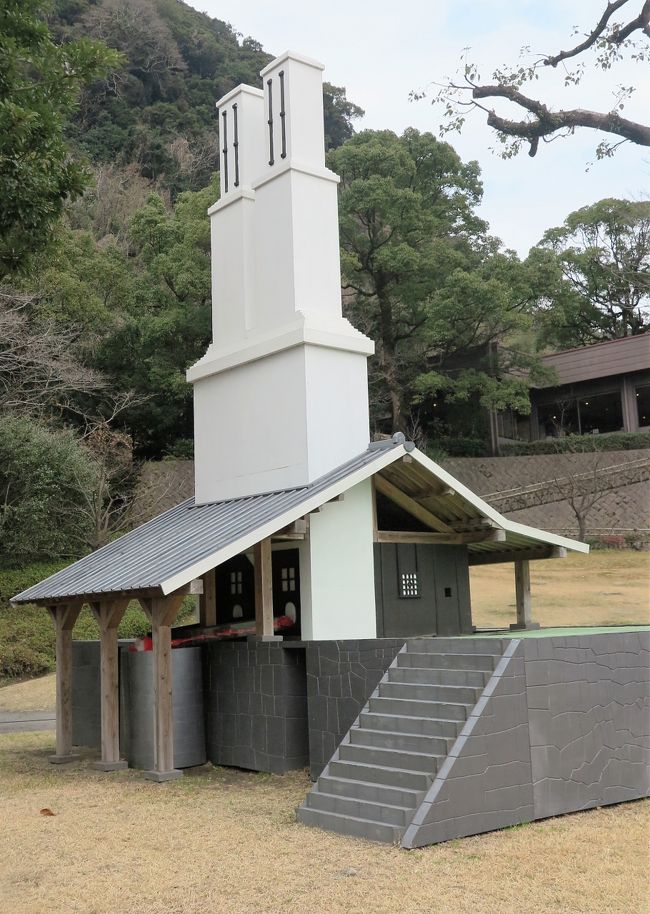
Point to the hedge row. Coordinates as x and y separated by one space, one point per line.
27 633
579 444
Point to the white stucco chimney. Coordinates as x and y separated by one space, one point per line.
280 397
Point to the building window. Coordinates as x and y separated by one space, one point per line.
600 414
408 585
590 415
643 405
236 582
288 580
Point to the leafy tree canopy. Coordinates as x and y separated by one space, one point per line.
157 110
40 84
422 277
593 274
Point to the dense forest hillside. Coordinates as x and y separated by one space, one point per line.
158 110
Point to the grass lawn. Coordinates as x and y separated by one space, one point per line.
226 842
606 587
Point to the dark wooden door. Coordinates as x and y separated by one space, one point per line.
286 586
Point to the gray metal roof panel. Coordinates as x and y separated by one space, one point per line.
163 547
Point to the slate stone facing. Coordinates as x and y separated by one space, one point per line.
341 676
485 781
589 719
562 725
255 705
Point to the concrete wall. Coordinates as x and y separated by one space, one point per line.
341 675
256 705
563 725
136 703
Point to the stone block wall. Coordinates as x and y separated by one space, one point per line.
256 705
341 675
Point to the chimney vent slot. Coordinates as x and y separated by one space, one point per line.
283 115
225 150
269 83
235 143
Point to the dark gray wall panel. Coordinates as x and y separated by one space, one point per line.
341 675
589 714
256 705
86 691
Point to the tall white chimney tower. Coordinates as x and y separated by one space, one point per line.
281 395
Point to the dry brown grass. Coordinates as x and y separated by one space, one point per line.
608 587
228 843
30 695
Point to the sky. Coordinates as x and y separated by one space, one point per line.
381 50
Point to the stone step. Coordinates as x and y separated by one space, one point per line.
404 742
450 646
391 777
350 825
414 708
425 660
360 809
390 758
396 723
434 676
455 693
369 790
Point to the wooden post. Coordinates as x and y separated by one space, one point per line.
161 612
109 614
522 597
208 600
263 590
64 617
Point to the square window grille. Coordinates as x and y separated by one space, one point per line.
408 588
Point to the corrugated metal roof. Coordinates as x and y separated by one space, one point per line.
188 540
164 547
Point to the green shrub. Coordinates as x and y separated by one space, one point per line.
43 476
27 644
579 444
462 446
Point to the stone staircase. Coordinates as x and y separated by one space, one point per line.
385 764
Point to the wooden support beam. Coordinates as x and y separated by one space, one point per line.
443 539
162 611
514 555
109 614
522 597
263 589
64 616
412 507
208 600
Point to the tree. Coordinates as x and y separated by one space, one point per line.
38 371
339 114
422 278
43 473
610 40
595 274
40 84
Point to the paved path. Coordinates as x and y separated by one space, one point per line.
21 721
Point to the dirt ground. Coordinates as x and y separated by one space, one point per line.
608 587
226 842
